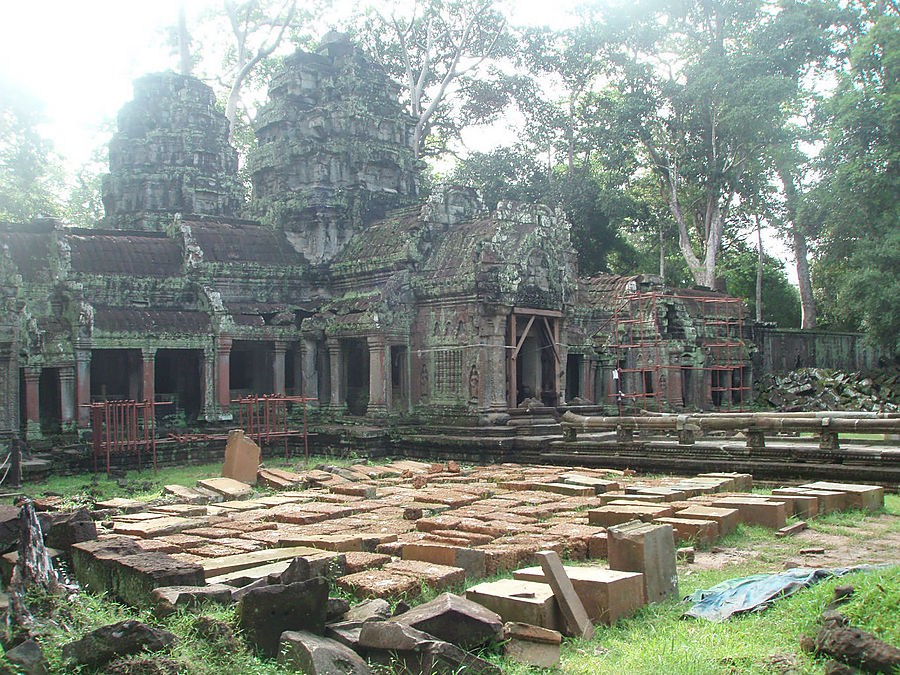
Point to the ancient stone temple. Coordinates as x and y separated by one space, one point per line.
424 316
334 148
170 155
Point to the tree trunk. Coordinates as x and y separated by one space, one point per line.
759 271
804 279
662 252
801 251
184 43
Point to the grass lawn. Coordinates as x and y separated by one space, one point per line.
654 641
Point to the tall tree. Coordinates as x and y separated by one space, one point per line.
31 178
857 198
705 83
440 52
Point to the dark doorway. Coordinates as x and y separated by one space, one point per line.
251 368
356 360
49 401
179 379
399 379
115 374
574 375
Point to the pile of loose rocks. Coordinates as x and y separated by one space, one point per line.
823 389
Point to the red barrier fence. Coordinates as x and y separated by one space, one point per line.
123 427
265 418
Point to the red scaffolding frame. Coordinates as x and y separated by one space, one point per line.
265 418
638 346
123 427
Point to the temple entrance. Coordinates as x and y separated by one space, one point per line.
533 361
250 368
399 378
178 379
356 359
574 375
115 374
50 401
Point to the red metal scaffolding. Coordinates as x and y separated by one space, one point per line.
644 375
265 418
122 428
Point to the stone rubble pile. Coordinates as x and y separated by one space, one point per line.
383 533
823 389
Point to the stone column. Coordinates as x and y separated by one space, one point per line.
148 373
223 373
278 350
377 399
32 402
310 371
494 372
673 393
83 386
335 363
67 397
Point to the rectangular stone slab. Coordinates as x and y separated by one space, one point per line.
227 487
867 497
522 601
607 595
649 549
241 458
697 530
568 489
828 501
214 567
607 516
728 519
757 511
158 527
570 606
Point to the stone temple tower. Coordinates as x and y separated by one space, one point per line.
170 155
334 148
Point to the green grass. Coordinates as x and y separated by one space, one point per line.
81 490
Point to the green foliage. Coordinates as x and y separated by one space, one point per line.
781 301
860 249
30 175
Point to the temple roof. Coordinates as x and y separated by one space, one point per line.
133 253
243 242
151 321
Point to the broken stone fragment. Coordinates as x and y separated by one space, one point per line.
317 655
532 645
455 619
167 600
28 659
118 639
265 613
855 647
376 608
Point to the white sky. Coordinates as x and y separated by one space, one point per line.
79 57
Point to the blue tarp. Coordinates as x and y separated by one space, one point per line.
757 592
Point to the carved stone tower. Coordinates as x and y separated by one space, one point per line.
334 148
170 155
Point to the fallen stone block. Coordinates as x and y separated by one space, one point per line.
827 501
532 645
607 595
188 495
28 659
610 515
436 576
757 511
233 563
228 488
167 600
650 550
368 609
380 584
265 613
316 655
456 620
801 506
472 560
695 530
118 639
865 497
157 527
520 601
568 489
599 484
62 529
727 519
742 482
241 458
